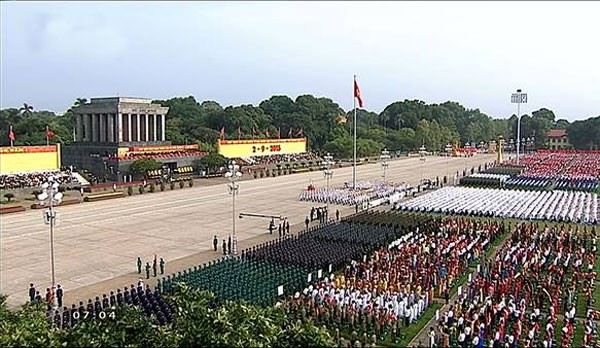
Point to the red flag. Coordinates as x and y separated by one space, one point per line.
357 93
300 132
267 133
49 133
11 134
222 132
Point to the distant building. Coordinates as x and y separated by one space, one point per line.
111 133
558 140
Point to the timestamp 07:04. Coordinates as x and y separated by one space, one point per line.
102 315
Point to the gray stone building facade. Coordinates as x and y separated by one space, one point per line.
103 126
120 120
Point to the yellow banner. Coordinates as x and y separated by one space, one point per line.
25 159
261 147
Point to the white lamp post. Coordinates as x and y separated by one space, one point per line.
328 173
233 175
50 196
518 98
385 156
422 153
448 153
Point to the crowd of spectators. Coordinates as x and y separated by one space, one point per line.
285 158
530 294
36 179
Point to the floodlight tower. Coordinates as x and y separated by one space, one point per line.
51 196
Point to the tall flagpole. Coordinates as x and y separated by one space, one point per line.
354 167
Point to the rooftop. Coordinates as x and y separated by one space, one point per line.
557 133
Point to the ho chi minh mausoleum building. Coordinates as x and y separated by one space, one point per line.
111 133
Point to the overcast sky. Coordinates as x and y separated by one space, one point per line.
476 53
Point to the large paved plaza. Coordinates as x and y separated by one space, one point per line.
99 241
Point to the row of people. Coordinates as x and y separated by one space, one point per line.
568 206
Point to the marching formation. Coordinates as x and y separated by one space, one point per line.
567 206
365 192
529 295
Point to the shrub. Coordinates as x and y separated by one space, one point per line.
141 189
152 188
172 185
181 184
262 174
162 186
9 196
130 190
191 183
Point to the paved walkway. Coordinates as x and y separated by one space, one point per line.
97 289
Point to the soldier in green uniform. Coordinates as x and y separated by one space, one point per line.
162 266
139 264
147 270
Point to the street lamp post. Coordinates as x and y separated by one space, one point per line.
422 152
51 196
233 175
385 156
328 173
518 98
448 153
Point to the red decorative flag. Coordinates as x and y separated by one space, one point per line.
357 93
11 134
49 133
300 132
267 133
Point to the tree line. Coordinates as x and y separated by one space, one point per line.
201 321
402 125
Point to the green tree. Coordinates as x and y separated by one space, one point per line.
9 196
213 161
143 165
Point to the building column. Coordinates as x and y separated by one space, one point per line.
94 129
129 117
79 127
151 130
119 129
156 127
162 125
110 125
147 128
102 127
139 123
88 127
